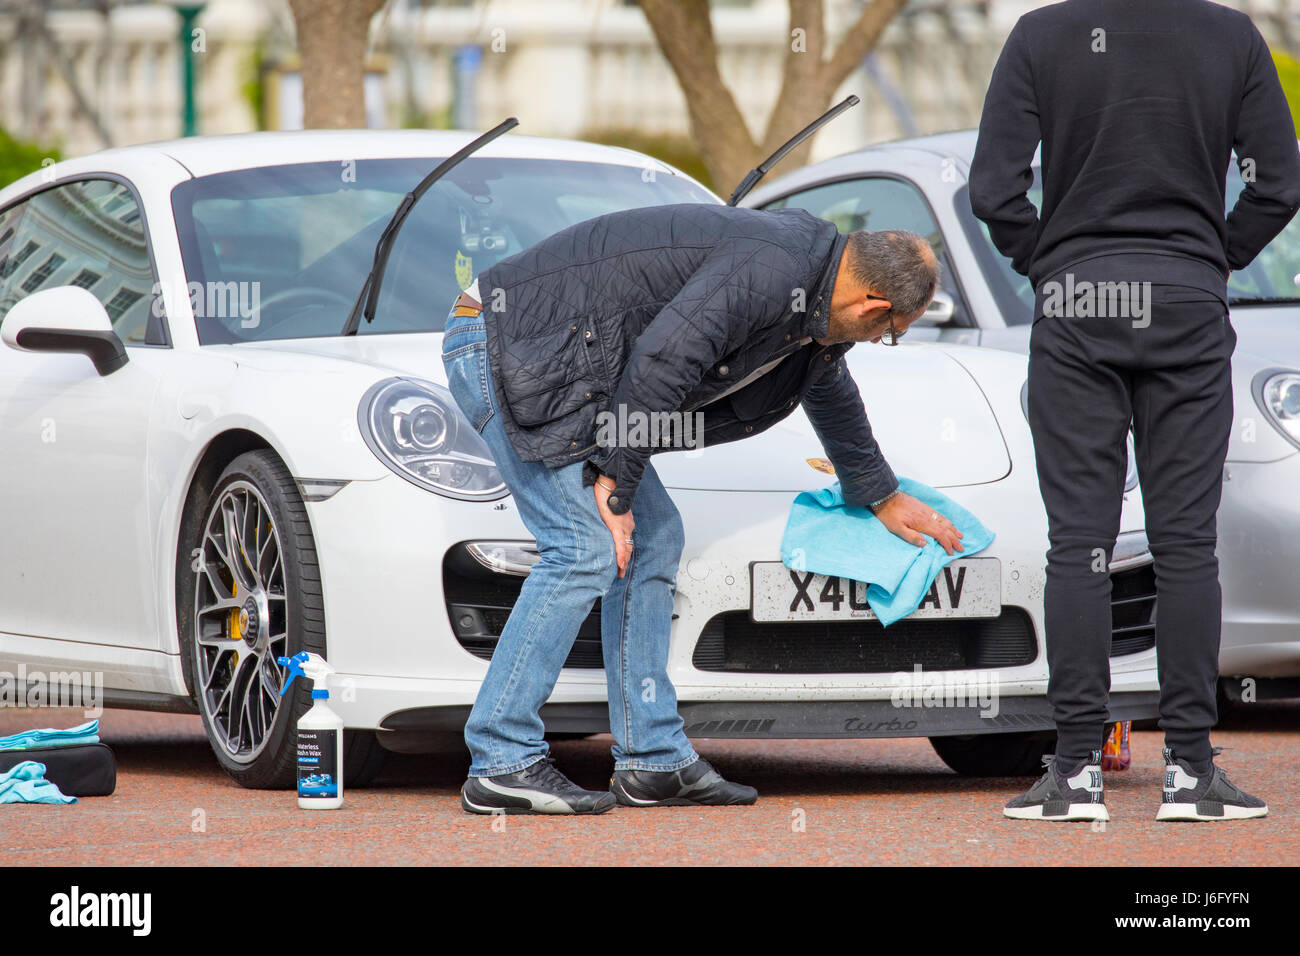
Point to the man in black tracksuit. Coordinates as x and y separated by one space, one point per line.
1138 107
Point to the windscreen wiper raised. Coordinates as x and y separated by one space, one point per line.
369 296
758 172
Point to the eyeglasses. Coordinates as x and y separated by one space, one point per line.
891 336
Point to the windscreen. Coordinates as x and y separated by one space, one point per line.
1273 276
282 251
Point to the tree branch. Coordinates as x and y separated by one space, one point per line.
801 72
860 40
684 33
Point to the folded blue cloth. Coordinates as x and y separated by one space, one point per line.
87 733
26 783
826 536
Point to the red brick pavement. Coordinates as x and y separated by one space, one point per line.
859 802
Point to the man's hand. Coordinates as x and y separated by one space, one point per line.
911 520
620 526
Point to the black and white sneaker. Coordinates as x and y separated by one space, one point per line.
1059 798
538 788
696 785
1210 797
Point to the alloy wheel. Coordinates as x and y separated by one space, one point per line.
241 621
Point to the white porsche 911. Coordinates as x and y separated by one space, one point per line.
202 473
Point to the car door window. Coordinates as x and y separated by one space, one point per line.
88 234
12 254
877 203
1274 274
1013 292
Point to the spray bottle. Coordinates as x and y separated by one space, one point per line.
320 736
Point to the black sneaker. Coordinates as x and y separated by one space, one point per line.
697 785
1058 798
538 788
1211 797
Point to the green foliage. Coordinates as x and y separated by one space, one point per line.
676 151
435 119
1288 72
18 158
253 87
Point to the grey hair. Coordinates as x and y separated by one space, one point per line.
895 265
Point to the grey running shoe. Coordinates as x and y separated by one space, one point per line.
1211 797
1058 798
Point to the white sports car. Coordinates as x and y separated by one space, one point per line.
202 474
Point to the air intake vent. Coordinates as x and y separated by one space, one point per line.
479 601
733 643
1133 610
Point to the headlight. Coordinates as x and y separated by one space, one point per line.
1278 396
1130 469
1131 550
415 429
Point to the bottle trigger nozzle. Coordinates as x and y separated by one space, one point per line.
306 664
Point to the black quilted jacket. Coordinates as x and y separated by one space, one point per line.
661 309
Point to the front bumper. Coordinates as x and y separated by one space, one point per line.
770 719
385 548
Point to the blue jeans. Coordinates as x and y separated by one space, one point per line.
577 566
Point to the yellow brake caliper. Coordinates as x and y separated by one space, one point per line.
232 624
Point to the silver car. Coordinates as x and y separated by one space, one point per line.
920 185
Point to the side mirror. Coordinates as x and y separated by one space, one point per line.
65 319
940 310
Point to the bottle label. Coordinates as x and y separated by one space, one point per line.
317 774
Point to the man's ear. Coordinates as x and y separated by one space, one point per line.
872 309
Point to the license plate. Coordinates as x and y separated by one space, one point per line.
969 587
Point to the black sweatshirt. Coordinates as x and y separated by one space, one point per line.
1138 105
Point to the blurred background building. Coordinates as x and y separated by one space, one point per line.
80 75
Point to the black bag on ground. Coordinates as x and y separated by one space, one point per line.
80 770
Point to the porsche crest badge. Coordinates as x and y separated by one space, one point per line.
464 269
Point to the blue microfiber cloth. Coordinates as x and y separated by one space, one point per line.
26 783
826 536
87 733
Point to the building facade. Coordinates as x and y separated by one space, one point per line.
80 75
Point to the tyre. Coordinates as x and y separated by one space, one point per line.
996 755
1224 701
250 592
